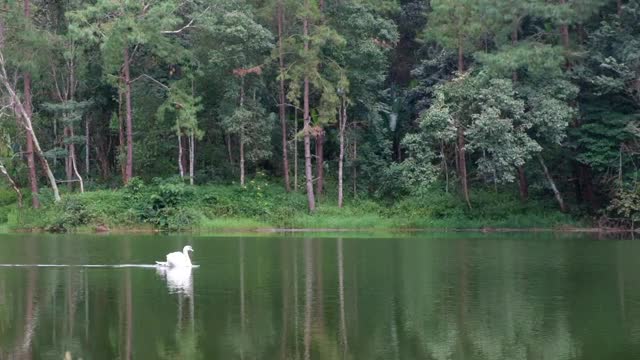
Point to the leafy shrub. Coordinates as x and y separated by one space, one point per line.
70 212
4 213
7 196
134 187
626 203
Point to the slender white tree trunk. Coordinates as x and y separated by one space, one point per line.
308 172
74 162
25 118
241 160
295 153
180 167
87 147
192 156
343 125
552 184
354 168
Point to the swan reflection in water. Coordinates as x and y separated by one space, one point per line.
179 279
180 283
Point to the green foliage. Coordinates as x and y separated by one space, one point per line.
494 123
455 24
115 25
211 71
626 204
169 205
71 212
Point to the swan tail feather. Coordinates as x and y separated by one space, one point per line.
162 263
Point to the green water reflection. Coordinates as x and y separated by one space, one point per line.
434 296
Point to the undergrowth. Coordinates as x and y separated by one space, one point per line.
171 205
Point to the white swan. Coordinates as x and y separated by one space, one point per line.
177 259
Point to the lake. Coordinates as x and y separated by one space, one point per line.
322 296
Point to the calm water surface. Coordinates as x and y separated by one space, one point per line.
433 296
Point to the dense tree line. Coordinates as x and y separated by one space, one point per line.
378 97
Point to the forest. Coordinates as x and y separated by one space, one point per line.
319 113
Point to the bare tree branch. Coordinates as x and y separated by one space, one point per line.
150 78
179 30
189 25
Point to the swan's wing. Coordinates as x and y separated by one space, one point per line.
175 259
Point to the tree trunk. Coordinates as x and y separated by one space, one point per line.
354 168
102 156
564 38
87 147
242 137
12 183
192 156
619 7
31 164
121 137
462 161
343 124
586 185
523 184
129 113
460 57
43 161
68 167
241 160
283 118
295 151
552 184
227 138
180 157
185 150
320 162
74 162
445 166
307 121
25 118
514 42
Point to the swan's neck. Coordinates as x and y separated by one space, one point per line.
186 255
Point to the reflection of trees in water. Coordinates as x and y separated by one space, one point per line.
509 318
382 300
254 332
321 341
41 304
482 309
180 284
186 336
343 316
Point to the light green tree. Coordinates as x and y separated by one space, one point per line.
243 48
184 107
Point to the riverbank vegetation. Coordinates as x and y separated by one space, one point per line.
217 114
171 205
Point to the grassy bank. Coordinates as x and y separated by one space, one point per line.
172 206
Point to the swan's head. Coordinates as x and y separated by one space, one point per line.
187 248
